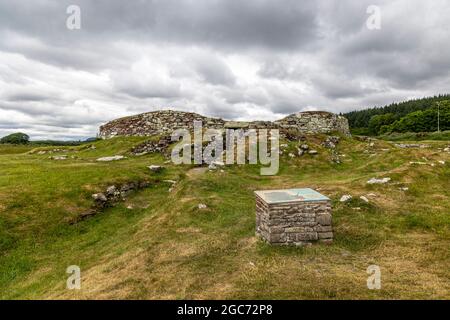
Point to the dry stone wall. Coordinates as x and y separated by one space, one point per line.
164 122
315 122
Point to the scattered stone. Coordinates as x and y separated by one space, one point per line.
202 206
63 157
404 188
378 181
345 198
218 163
111 190
411 145
447 149
113 158
418 163
291 155
313 152
331 142
300 152
372 195
441 162
372 144
130 207
110 197
155 168
152 146
42 152
212 166
100 198
304 147
364 199
335 157
172 182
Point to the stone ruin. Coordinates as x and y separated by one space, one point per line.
164 122
293 217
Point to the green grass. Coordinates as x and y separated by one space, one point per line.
165 247
414 136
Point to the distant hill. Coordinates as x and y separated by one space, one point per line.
359 121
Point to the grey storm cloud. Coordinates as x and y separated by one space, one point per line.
255 59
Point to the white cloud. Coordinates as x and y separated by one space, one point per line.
232 59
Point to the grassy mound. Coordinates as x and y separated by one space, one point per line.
158 244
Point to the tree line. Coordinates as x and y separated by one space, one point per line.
418 115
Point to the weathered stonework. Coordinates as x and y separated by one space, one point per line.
303 217
315 122
164 122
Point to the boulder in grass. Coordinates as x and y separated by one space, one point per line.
155 168
345 198
212 166
111 190
99 197
218 163
378 181
63 157
364 199
113 158
304 147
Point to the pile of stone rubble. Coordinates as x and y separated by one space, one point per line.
152 146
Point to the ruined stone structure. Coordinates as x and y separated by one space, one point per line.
164 122
315 122
293 217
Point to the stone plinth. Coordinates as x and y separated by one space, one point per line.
293 216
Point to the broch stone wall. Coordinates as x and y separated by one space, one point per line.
297 223
164 122
315 122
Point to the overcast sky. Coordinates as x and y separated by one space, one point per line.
242 60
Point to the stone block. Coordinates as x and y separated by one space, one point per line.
325 235
324 219
293 222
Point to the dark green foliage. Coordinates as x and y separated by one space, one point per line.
16 138
423 121
359 120
378 121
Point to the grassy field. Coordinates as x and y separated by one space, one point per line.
159 244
